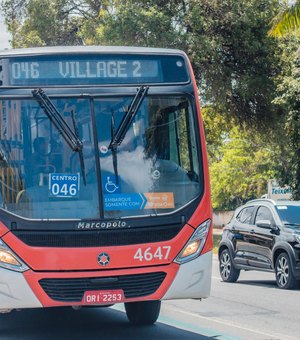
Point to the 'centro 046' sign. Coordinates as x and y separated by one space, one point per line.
64 185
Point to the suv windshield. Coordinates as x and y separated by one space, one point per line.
41 176
289 214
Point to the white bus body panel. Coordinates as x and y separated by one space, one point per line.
193 279
15 291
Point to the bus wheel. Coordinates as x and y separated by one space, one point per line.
142 312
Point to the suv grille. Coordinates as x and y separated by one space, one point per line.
97 238
72 290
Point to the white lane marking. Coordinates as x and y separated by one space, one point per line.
229 323
177 323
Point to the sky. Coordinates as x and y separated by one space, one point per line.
4 35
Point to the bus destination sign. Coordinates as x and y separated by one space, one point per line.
92 70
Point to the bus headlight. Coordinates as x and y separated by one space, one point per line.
195 244
9 260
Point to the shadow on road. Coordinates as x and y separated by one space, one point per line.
263 283
259 283
96 323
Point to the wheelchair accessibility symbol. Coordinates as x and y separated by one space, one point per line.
110 185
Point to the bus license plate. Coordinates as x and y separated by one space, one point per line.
103 296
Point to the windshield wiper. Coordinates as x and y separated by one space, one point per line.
80 153
119 135
63 128
3 153
114 148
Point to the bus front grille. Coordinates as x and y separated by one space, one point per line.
72 290
97 238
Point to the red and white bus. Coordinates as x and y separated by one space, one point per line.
104 188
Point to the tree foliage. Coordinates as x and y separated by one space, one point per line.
47 22
288 97
136 23
286 24
233 58
286 21
241 160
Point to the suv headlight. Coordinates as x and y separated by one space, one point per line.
297 239
195 244
9 260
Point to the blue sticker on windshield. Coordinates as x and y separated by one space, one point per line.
124 201
110 184
64 185
136 201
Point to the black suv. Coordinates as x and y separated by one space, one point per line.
263 235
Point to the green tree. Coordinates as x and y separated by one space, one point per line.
217 128
241 159
287 21
48 22
286 26
241 174
288 97
135 23
233 58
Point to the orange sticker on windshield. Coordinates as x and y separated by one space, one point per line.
159 200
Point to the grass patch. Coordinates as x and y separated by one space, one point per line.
216 242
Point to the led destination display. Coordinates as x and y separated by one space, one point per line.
93 70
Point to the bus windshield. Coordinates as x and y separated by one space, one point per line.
154 170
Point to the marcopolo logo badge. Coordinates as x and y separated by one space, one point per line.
103 259
102 225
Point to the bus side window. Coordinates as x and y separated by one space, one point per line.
157 143
174 139
182 144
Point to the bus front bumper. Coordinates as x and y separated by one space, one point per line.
23 290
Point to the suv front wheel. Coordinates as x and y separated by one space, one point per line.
227 271
283 269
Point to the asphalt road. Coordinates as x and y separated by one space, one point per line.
252 308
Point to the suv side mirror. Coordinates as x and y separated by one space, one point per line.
264 224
